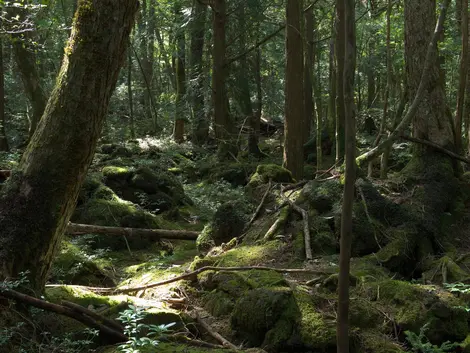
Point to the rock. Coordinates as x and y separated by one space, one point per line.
322 196
266 172
228 222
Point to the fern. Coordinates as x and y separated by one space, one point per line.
420 343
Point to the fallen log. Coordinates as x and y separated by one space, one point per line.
79 229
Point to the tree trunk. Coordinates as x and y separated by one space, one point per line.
200 131
37 201
350 177
339 51
180 118
294 105
3 137
255 120
463 73
129 93
332 92
223 124
309 112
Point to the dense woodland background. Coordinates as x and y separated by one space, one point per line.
234 175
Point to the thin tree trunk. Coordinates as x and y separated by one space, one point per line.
332 92
40 196
309 112
342 335
129 92
180 118
3 137
463 73
339 51
200 131
255 120
294 107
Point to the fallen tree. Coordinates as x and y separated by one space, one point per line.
79 229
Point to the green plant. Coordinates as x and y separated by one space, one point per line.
420 343
133 328
460 288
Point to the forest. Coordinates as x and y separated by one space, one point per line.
260 176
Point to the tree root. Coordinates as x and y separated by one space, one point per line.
278 224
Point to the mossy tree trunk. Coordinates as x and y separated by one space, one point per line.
3 137
200 130
180 118
37 201
294 104
463 73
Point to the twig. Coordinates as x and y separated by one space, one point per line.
298 209
215 334
296 186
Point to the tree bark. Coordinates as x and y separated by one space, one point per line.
339 55
3 137
332 92
309 112
255 121
37 201
129 93
350 177
463 75
180 118
223 124
200 131
294 105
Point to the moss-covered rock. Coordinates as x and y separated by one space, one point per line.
218 303
258 311
446 270
236 174
81 296
321 196
273 172
370 341
228 222
72 266
415 305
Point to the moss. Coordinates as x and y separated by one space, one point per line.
370 341
116 173
249 255
415 305
218 303
235 173
201 262
204 241
258 311
321 196
175 348
261 278
157 316
81 296
331 282
72 266
273 172
368 270
445 270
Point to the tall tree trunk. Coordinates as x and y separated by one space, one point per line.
318 103
200 131
39 198
255 121
339 51
309 112
223 124
294 105
180 118
350 177
463 73
148 65
129 93
3 137
332 92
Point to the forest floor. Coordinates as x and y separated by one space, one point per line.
401 300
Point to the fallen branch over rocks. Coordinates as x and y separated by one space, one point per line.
192 276
73 311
